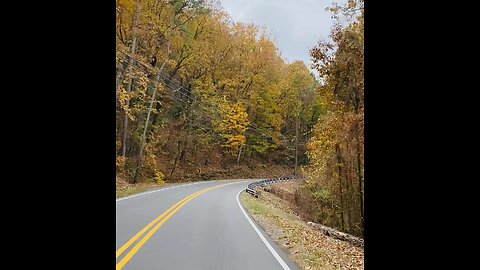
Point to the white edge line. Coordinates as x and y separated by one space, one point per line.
148 192
272 250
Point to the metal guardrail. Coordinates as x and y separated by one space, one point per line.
251 187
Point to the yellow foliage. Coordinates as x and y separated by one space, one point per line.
233 125
159 177
120 163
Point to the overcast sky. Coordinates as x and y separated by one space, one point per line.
294 25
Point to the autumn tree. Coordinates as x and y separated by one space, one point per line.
232 127
198 85
335 173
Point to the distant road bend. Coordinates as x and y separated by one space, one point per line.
199 226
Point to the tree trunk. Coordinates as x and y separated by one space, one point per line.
239 154
359 166
129 86
357 124
339 162
296 145
119 71
359 175
142 142
350 197
336 234
194 153
179 152
157 117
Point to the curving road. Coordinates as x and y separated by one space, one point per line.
207 230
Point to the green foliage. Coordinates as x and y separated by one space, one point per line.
321 194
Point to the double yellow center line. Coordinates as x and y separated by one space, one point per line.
156 223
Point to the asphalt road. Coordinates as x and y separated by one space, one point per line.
207 231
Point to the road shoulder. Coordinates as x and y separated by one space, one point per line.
307 247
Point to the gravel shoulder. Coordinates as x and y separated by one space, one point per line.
308 247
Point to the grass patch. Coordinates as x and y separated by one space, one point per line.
253 205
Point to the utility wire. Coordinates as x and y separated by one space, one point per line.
252 126
182 101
